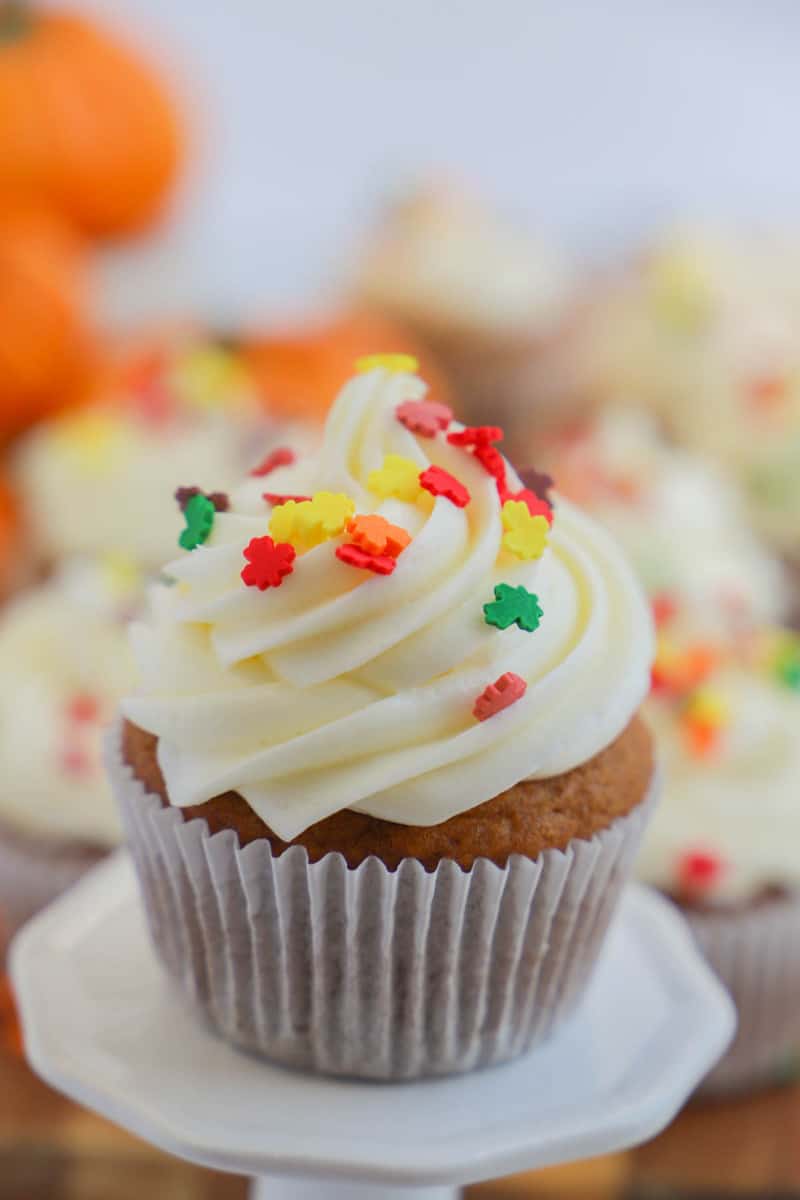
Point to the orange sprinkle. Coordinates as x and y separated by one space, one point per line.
376 535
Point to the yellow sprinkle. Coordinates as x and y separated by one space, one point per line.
526 535
397 477
396 363
91 438
308 523
209 377
709 707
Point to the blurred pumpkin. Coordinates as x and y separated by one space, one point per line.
46 353
298 374
85 126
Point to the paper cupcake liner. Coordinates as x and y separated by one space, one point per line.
369 972
756 955
34 870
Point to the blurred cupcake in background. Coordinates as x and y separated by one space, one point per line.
100 479
705 330
490 303
65 663
725 708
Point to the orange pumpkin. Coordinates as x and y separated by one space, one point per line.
298 374
85 126
46 352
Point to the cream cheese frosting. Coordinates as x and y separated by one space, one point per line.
344 689
101 479
725 830
65 662
442 259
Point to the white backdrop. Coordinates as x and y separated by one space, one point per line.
592 121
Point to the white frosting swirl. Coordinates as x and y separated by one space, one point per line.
341 689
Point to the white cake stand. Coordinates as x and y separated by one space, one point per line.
102 1024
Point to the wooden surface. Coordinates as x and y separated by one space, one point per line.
52 1150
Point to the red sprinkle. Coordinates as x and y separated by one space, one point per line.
424 417
354 556
664 606
504 692
492 461
75 761
284 456
83 708
282 498
536 506
439 482
699 870
268 562
476 435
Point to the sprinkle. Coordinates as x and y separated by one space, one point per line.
424 417
397 477
768 392
83 709
354 556
308 523
535 506
219 499
395 363
439 482
787 662
703 720
699 870
665 607
208 376
75 761
199 515
525 536
283 456
677 671
513 606
493 463
539 482
283 498
268 562
504 692
376 535
476 435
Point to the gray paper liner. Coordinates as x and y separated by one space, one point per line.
755 952
369 972
34 870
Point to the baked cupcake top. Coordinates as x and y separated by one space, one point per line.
681 521
707 329
442 261
100 479
65 663
726 718
392 625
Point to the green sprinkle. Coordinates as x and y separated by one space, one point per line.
513 606
199 516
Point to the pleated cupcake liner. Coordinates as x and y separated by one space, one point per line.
35 870
755 952
367 972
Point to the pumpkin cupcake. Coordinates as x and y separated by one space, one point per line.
100 479
725 709
493 306
384 777
65 663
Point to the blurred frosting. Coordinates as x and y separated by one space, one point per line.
344 689
727 723
442 261
706 328
682 523
101 479
65 662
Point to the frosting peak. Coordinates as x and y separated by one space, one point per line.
342 683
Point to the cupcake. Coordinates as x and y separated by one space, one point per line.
492 305
65 663
724 707
101 479
722 843
384 776
705 331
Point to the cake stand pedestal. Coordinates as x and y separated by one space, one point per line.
102 1024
